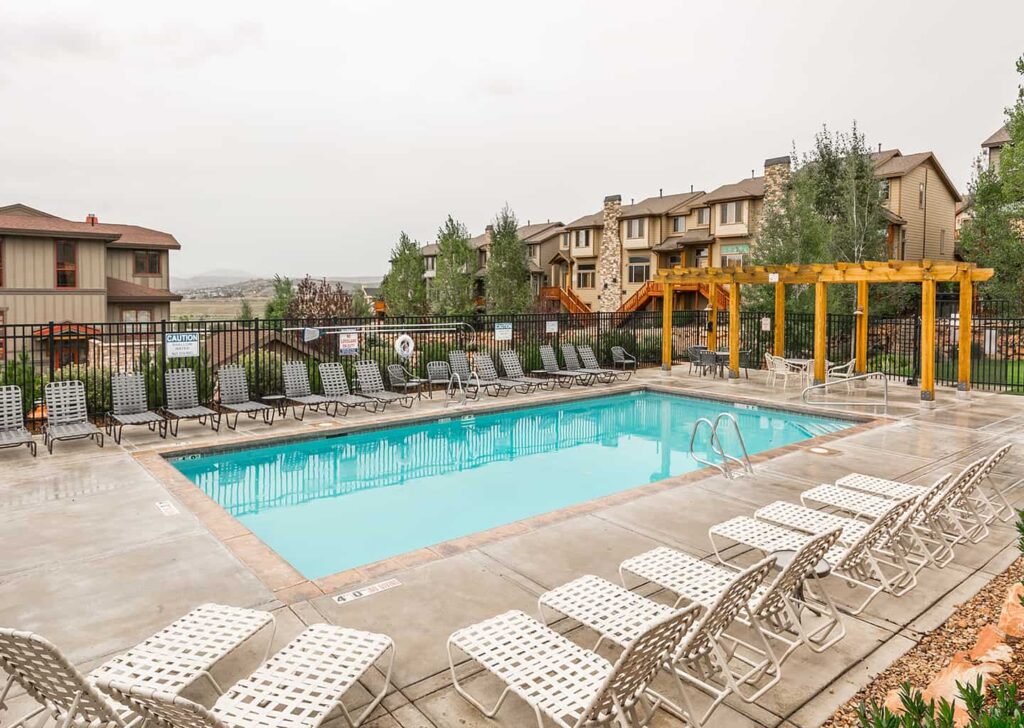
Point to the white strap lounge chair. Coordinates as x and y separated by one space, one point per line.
475 382
564 378
372 385
335 384
572 364
488 372
171 660
778 607
514 371
299 393
994 503
856 560
234 397
301 686
67 415
700 660
569 684
13 432
183 401
130 406
622 359
590 361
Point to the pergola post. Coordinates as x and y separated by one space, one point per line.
713 317
928 340
666 327
820 330
861 355
734 330
963 369
779 348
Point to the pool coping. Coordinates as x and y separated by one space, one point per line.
289 586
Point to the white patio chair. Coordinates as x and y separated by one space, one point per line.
779 368
994 503
301 686
569 684
841 373
778 607
701 660
171 660
67 415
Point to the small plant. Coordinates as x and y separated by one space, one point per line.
1003 711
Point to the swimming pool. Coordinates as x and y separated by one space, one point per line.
330 504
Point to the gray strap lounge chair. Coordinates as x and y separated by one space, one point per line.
297 391
514 371
474 382
372 385
591 363
67 415
402 381
12 420
438 372
572 363
488 372
234 396
335 384
551 368
183 401
622 359
130 406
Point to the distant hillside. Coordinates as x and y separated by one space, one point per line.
214 286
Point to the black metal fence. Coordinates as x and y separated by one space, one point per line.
32 355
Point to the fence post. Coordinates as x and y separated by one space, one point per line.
256 356
50 349
163 362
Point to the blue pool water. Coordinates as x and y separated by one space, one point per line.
334 503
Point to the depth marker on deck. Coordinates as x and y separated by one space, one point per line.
366 591
167 508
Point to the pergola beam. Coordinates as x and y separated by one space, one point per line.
870 272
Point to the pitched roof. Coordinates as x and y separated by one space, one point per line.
697 200
657 205
225 347
676 242
18 219
750 188
119 291
893 163
429 249
538 232
595 220
998 139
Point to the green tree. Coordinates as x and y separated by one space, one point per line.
277 306
993 237
403 288
508 274
451 292
360 306
245 314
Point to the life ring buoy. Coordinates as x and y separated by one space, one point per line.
404 346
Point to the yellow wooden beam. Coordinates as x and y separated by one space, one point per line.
928 341
666 328
779 348
964 352
820 330
861 363
870 271
734 331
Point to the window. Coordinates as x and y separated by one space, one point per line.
884 186
534 251
700 258
67 264
675 259
585 276
704 216
136 315
563 241
903 243
920 196
582 238
429 262
942 240
639 269
732 260
679 224
481 258
147 263
731 213
1 262
635 228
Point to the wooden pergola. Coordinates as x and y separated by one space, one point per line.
925 272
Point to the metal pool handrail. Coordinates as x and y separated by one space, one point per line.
716 445
846 380
453 383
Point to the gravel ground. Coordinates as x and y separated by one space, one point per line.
932 653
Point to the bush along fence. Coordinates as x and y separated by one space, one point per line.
31 355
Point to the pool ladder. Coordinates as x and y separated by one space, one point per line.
727 461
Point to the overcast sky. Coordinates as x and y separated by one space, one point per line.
302 137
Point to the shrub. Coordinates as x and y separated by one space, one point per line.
269 378
20 372
622 338
97 384
1002 711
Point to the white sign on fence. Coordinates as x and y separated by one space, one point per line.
348 343
551 327
503 332
773 277
181 344
766 324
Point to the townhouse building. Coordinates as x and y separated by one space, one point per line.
992 148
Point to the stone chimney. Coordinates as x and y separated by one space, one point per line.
609 261
776 178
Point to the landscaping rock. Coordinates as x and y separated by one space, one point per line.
991 646
959 671
1011 619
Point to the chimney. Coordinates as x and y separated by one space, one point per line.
879 146
751 174
91 218
488 234
609 260
661 192
776 177
691 188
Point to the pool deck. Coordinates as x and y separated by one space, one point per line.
88 559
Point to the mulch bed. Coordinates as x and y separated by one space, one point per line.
932 653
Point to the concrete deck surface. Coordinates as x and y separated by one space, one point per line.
89 560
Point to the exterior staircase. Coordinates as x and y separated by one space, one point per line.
565 297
